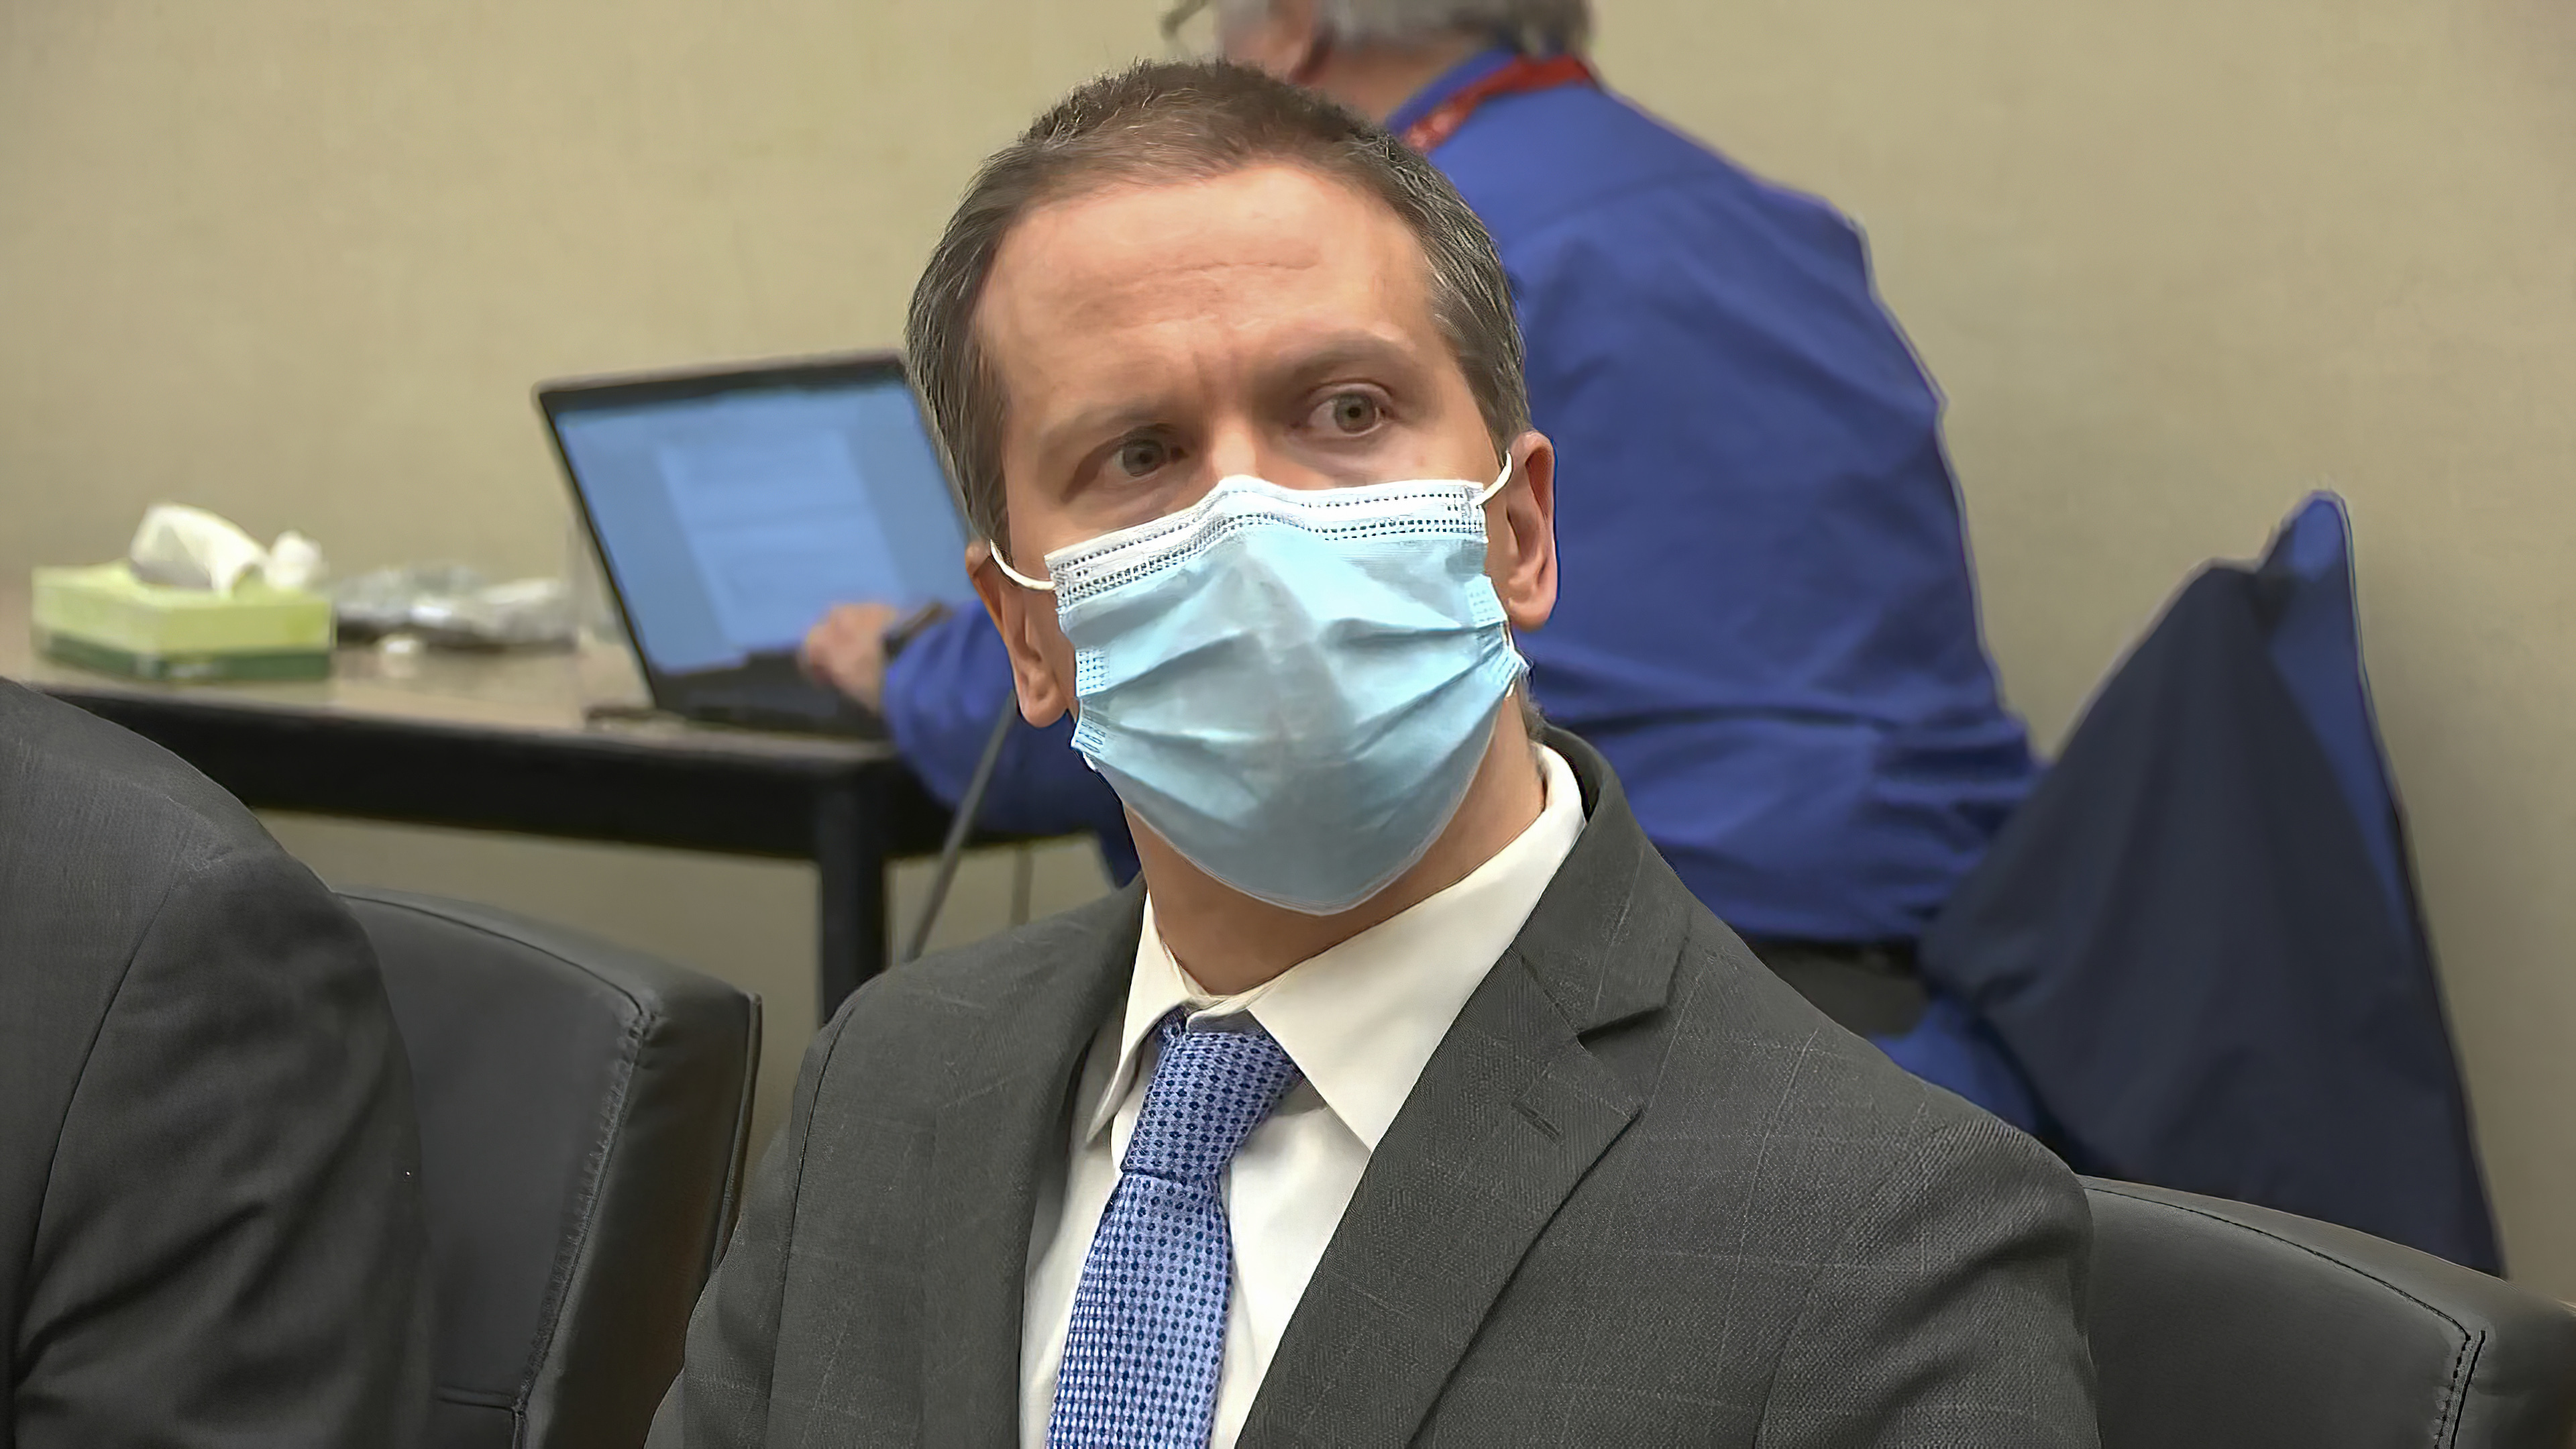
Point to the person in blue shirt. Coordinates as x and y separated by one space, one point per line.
1775 639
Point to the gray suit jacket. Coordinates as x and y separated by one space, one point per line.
1642 1195
209 1222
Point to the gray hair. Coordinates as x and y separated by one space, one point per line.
1166 122
1537 27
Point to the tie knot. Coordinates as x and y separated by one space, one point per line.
1211 1087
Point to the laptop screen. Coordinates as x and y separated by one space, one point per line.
732 517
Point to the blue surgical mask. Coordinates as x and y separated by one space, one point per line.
1293 687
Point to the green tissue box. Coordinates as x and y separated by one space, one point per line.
104 618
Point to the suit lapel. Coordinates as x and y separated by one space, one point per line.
1511 1113
995 1143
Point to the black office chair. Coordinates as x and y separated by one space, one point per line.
2216 1325
584 1111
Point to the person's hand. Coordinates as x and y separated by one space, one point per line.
847 650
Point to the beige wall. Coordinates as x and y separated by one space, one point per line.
299 260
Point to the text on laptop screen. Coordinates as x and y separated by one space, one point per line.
733 521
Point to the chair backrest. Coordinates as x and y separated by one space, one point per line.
2217 1325
584 1113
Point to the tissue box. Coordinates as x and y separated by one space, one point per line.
104 618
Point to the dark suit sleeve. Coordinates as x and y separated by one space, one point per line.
1952 1314
231 1250
722 1396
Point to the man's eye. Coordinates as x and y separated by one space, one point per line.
1352 413
1139 457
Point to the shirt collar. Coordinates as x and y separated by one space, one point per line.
1361 1020
1455 79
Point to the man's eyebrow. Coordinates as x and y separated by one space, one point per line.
1105 420
1302 363
1315 358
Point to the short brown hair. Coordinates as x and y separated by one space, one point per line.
1169 121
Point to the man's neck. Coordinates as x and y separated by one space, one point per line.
1229 942
1375 80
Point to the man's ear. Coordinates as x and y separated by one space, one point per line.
1018 613
1284 40
1520 534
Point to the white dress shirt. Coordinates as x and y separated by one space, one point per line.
1360 1021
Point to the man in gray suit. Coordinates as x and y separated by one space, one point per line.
1410 1098
210 1226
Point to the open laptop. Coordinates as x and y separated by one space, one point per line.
734 507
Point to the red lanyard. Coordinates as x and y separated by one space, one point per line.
1521 74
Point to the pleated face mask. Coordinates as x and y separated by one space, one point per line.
1292 686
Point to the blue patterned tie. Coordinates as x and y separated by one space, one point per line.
1147 1342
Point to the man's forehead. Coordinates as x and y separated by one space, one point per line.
1234 248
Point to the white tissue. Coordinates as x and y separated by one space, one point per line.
189 548
294 561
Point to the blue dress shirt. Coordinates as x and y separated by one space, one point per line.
1768 623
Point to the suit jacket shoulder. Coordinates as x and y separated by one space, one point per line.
871 1294
1645 1194
915 1039
207 1151
98 829
54 757
1901 1266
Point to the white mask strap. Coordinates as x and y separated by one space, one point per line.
1047 586
1043 586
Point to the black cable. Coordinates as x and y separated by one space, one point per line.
960 825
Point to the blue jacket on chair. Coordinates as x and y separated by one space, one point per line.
2198 938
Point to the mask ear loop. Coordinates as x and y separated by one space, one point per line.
1043 586
1047 586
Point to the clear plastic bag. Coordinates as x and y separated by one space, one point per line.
453 606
